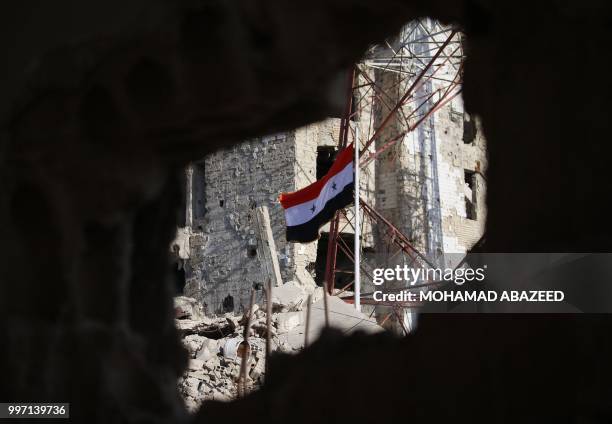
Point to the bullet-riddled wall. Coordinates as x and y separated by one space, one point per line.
218 244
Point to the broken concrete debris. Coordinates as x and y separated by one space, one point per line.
290 297
214 344
286 321
187 308
215 350
206 329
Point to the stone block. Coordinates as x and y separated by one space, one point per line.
187 308
195 365
287 321
288 297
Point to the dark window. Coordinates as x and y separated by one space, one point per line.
228 304
469 129
198 188
470 195
325 159
179 281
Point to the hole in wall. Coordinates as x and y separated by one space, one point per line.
469 129
179 281
469 178
228 304
325 159
198 187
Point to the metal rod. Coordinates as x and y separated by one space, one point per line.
326 307
409 91
439 104
343 289
357 289
347 251
247 349
268 325
409 248
308 306
400 319
332 251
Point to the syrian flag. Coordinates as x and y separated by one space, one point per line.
308 209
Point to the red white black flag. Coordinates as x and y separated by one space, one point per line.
308 209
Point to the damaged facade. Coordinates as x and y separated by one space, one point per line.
430 185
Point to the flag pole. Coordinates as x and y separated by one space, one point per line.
357 274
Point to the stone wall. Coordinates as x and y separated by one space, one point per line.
223 259
455 159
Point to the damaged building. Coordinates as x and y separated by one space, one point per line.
106 103
423 170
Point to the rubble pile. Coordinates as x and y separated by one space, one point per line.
215 345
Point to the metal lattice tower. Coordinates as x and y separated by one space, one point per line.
392 95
